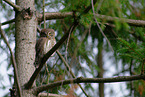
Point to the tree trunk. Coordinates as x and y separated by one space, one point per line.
100 65
25 38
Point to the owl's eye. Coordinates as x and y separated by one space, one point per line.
49 33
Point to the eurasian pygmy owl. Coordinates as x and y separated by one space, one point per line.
44 44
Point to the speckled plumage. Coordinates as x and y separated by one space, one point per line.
44 44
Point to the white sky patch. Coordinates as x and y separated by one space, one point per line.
90 40
4 64
95 50
5 80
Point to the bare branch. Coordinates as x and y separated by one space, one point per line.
16 7
67 45
131 22
8 22
88 80
59 15
48 54
54 15
13 61
69 69
122 71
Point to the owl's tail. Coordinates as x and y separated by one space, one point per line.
37 61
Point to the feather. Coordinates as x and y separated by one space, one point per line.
44 44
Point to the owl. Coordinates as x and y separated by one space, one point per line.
44 44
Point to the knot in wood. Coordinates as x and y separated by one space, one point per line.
27 14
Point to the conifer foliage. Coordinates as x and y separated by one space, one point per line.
98 41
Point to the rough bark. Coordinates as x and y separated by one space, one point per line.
25 38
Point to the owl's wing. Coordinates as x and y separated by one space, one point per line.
39 49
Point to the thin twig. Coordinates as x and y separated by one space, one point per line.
16 7
44 19
100 27
119 72
13 61
131 73
47 73
38 29
44 75
69 69
67 44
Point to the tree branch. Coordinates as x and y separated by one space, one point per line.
13 61
48 54
131 22
69 69
8 22
54 15
16 7
59 15
88 80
